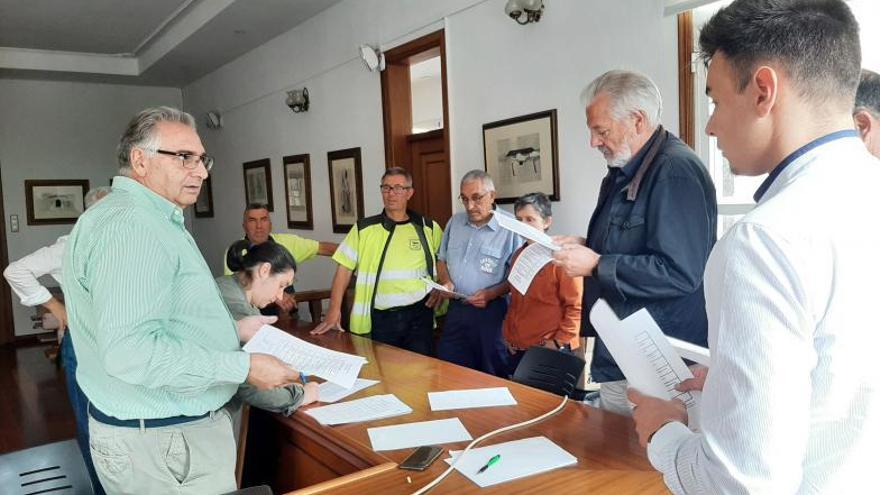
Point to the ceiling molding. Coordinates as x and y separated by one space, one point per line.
58 61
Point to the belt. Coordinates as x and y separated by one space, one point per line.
145 423
415 305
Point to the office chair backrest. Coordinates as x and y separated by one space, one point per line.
553 371
56 468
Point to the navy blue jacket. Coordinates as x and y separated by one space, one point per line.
654 243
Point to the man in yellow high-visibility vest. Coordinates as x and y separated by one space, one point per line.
392 253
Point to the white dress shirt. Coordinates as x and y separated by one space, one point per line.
22 275
792 399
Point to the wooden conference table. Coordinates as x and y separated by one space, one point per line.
298 455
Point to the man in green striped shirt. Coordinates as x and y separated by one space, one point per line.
159 352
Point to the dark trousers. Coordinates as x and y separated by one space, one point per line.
408 327
80 403
472 337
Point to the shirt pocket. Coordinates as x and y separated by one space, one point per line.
626 235
490 261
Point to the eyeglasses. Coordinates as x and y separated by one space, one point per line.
397 189
190 160
476 198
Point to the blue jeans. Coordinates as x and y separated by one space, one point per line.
79 402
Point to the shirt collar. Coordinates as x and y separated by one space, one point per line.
797 154
632 166
144 195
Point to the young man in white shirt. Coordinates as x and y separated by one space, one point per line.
790 402
22 276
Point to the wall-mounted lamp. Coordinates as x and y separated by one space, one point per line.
298 100
524 11
213 119
373 58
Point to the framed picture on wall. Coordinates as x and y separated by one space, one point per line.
204 206
521 156
298 191
346 188
54 201
258 183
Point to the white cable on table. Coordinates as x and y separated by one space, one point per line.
438 479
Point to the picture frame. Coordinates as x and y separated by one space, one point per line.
298 191
54 202
258 182
204 207
346 188
522 156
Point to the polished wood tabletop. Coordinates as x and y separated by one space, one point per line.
340 460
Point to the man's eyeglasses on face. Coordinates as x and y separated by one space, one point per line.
396 189
190 160
475 199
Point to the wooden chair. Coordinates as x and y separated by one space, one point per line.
55 467
315 300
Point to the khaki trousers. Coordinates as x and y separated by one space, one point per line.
191 458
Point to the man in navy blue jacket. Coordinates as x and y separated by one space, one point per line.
653 227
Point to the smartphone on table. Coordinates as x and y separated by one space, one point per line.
421 458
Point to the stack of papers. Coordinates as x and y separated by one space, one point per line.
333 366
519 458
466 399
331 392
527 265
417 434
644 354
366 409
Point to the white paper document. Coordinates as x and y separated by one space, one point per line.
691 352
466 399
417 434
331 392
354 411
527 265
519 458
527 231
434 285
643 353
337 367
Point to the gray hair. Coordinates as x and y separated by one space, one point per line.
96 194
141 133
868 93
539 201
481 176
630 92
400 172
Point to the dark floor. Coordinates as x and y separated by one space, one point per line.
34 409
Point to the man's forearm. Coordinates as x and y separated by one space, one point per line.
442 273
341 279
327 248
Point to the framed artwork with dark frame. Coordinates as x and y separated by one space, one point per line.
258 182
298 192
521 155
52 202
204 206
346 188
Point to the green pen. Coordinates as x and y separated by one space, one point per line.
495 458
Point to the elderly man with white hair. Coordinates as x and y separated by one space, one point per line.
652 229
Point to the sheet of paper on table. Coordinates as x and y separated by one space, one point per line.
333 366
358 410
331 392
519 458
645 355
472 398
417 434
527 231
527 265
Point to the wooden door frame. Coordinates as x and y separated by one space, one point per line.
686 112
7 325
398 103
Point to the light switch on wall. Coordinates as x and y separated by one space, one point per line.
13 223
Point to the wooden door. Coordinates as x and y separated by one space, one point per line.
429 166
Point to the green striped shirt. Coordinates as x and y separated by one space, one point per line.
150 330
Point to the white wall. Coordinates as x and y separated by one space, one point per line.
496 69
60 130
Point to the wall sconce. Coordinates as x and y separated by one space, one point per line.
298 100
524 11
